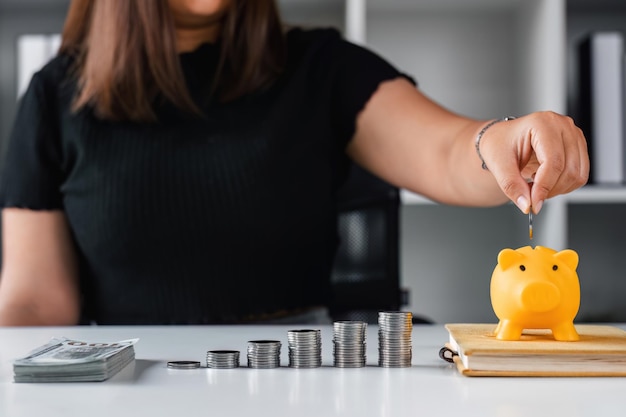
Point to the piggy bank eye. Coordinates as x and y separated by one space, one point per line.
555 267
522 267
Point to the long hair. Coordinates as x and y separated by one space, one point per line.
125 55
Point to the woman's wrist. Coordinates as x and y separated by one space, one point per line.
480 135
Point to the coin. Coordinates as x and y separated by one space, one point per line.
305 348
183 364
222 359
394 339
264 353
349 347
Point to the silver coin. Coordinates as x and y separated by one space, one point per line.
349 346
183 364
264 354
395 330
223 359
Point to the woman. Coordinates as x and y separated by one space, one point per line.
178 162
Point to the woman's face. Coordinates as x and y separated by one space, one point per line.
197 12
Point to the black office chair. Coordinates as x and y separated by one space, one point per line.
365 276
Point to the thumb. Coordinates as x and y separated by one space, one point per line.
515 187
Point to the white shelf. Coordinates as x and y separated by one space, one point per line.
446 5
482 58
593 194
478 57
590 194
410 198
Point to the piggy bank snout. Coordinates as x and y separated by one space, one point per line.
540 296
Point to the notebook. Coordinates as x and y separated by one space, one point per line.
601 351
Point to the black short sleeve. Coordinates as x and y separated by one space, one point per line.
32 174
358 74
344 75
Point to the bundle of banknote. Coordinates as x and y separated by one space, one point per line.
65 360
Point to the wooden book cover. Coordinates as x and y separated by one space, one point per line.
601 351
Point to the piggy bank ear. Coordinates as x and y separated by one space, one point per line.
508 257
568 257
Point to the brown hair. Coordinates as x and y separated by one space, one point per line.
126 57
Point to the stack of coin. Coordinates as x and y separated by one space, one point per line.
394 339
305 348
349 344
222 359
264 354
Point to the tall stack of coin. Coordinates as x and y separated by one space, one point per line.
305 348
223 359
394 339
264 354
349 344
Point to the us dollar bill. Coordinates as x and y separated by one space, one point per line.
67 360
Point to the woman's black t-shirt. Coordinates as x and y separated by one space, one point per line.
191 220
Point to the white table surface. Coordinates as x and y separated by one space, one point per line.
431 387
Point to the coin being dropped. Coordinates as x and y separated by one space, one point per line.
183 364
530 223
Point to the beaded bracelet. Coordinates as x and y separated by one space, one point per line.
482 132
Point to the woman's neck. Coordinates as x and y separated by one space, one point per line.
189 39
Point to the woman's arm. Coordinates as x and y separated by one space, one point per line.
412 142
39 281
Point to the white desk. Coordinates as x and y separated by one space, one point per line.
430 387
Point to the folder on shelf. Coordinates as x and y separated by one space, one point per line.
601 106
601 351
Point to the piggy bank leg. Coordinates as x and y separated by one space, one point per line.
497 330
507 330
565 332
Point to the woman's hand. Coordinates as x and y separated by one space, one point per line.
544 149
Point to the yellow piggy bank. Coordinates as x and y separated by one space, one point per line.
535 289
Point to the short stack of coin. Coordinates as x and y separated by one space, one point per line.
223 359
349 344
394 339
264 354
305 348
